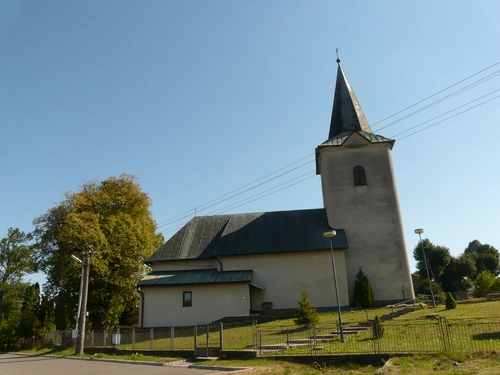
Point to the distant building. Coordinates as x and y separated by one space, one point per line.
258 263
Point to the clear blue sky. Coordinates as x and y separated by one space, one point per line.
199 98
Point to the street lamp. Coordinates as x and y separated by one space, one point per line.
84 289
419 232
330 236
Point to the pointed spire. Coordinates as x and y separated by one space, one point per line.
347 115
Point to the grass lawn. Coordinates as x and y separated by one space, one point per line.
482 311
408 333
466 329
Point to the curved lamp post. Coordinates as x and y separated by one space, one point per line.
419 232
330 236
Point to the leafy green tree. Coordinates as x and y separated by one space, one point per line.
485 256
483 283
29 324
305 314
496 285
46 315
450 302
458 275
363 293
421 288
438 258
16 260
114 217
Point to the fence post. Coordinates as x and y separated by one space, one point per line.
313 349
195 329
207 338
151 338
221 334
92 338
118 338
133 337
255 329
104 337
172 337
260 342
287 339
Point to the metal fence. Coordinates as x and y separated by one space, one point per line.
396 337
401 336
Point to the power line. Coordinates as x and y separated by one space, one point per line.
255 184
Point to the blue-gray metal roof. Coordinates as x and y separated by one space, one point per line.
190 277
252 233
339 139
347 115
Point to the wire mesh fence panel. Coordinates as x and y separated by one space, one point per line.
59 338
239 336
398 336
125 338
163 338
141 339
316 339
411 337
208 336
286 340
473 336
97 339
183 338
352 339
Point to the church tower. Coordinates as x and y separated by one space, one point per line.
360 197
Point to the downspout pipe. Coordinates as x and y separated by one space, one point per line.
142 307
221 265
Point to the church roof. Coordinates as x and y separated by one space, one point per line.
339 139
347 115
347 118
188 277
247 234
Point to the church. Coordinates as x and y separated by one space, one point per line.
239 265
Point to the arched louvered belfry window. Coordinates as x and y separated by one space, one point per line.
359 175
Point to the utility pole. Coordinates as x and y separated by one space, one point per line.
82 317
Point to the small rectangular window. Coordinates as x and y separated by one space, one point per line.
187 299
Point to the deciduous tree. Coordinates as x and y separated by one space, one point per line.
16 260
458 275
438 258
483 283
485 256
114 217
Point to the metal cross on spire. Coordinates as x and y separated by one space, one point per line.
337 52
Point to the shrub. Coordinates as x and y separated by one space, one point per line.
450 302
306 314
483 283
378 328
363 294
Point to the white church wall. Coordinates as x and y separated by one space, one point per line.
283 276
163 306
369 215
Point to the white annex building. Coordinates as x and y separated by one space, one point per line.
224 266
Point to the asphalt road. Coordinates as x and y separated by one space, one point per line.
14 364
